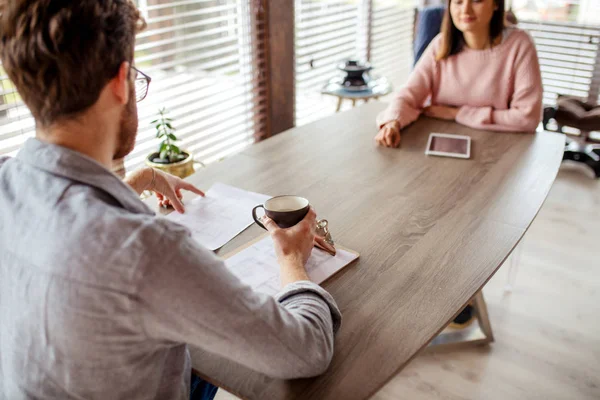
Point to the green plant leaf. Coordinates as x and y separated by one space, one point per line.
165 132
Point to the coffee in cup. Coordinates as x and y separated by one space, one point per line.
285 211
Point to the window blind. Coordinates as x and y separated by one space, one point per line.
206 59
392 39
330 31
16 122
569 55
326 33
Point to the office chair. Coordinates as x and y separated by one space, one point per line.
429 23
573 112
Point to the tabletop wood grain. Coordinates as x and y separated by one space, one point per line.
431 232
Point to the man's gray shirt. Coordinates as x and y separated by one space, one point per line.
99 297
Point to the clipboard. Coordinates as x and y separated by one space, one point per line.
255 264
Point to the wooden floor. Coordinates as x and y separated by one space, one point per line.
547 329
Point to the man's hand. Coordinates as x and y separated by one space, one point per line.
167 187
389 135
168 190
293 246
441 112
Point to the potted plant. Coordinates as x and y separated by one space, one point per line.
169 157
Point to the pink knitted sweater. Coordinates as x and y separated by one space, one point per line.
498 89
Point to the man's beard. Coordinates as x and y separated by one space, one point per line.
128 127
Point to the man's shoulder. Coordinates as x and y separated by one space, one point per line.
83 234
3 159
109 247
142 245
141 241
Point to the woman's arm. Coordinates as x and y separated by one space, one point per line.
525 109
408 102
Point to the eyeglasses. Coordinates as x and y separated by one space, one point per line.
142 82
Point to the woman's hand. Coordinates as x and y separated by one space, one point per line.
168 189
389 135
441 112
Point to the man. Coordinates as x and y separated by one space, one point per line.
98 297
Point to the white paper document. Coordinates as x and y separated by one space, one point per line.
257 265
220 216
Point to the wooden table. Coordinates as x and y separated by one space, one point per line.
431 232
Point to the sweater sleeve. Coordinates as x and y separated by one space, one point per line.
408 102
187 295
525 108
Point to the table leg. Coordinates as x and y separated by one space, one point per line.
513 265
479 332
367 100
483 316
353 102
339 105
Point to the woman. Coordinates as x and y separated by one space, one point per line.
476 72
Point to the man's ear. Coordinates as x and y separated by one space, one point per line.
120 83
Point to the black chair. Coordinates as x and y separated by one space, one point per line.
576 113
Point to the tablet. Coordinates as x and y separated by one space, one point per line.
446 145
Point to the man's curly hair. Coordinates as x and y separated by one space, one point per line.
61 53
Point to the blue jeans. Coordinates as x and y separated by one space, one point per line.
202 390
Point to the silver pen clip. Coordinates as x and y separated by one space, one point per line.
323 231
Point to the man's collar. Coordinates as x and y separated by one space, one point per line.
78 167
